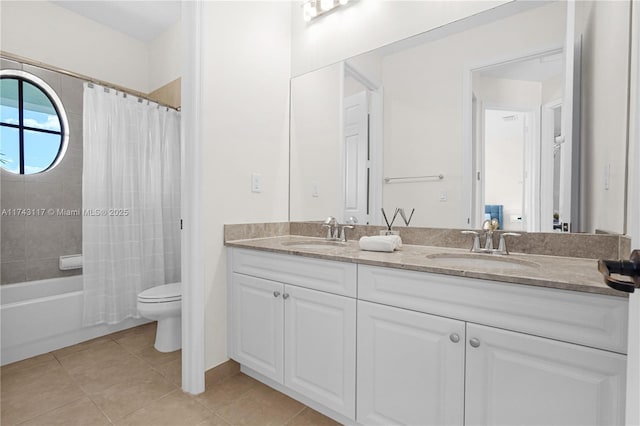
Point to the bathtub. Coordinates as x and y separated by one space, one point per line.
40 316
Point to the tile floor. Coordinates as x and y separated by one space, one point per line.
120 379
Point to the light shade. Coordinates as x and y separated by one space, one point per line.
326 5
315 8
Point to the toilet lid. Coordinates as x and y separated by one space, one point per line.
164 293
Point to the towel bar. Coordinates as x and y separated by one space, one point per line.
414 178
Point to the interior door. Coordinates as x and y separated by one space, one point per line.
356 157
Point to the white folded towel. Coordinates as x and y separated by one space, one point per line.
386 243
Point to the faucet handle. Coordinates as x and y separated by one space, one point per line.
476 239
502 246
343 234
350 224
330 223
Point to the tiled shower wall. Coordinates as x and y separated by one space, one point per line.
31 246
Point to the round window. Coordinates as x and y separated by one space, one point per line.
33 125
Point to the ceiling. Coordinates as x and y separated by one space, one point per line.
143 20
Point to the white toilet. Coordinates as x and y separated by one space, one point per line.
163 303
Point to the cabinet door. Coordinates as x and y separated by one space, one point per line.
514 378
410 367
258 323
320 347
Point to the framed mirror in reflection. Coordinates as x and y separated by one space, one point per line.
518 114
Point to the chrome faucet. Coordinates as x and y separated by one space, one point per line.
488 245
335 231
488 226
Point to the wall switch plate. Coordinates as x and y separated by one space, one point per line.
607 176
443 195
256 182
314 189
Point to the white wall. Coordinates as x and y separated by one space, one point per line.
369 65
366 25
507 92
605 63
245 72
552 88
165 57
315 126
45 32
351 86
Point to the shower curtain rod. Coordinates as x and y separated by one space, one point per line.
27 61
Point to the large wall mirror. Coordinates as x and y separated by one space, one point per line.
518 113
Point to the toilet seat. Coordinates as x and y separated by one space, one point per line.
161 294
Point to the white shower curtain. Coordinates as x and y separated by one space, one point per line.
131 202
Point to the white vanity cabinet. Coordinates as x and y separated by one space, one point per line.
432 349
410 367
291 333
418 368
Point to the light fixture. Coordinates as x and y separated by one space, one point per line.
314 8
307 10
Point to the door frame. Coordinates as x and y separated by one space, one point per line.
468 215
376 119
192 202
546 169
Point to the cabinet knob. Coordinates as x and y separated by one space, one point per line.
454 337
285 296
474 342
276 293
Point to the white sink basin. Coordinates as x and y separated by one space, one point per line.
479 261
313 244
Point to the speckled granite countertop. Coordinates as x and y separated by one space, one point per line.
564 273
